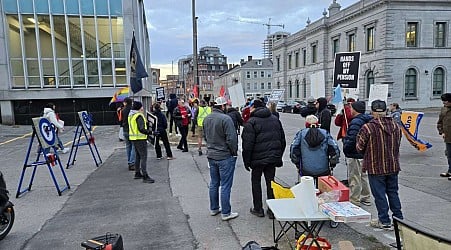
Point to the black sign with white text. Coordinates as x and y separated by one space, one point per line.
160 93
346 70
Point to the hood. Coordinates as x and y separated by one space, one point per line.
314 137
132 112
365 117
172 96
261 112
386 124
48 110
322 103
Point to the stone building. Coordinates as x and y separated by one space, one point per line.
404 44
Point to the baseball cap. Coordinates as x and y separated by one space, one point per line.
378 106
220 101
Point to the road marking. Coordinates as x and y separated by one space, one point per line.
15 139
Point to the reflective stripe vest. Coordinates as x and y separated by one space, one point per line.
203 112
134 133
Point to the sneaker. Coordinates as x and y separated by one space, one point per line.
200 152
229 216
159 158
131 167
64 151
138 175
446 174
215 212
257 213
147 179
377 224
170 158
185 150
365 202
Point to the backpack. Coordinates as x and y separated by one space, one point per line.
3 191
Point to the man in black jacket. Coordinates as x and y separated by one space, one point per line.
263 146
310 109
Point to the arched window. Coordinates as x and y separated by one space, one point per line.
278 85
297 89
290 90
438 82
304 88
411 83
369 82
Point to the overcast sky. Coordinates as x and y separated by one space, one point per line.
170 26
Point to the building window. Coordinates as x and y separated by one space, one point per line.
411 83
248 74
269 85
314 53
351 42
370 39
262 74
262 85
297 88
369 82
335 47
440 34
278 85
412 35
304 88
438 82
269 74
255 85
304 57
290 89
289 61
278 63
255 74
248 86
296 59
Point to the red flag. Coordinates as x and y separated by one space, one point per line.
196 91
222 91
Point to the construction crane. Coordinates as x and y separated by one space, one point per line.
268 24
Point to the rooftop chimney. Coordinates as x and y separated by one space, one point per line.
249 58
241 61
334 8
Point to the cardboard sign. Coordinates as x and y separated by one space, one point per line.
236 94
276 95
153 122
346 69
378 92
160 93
317 84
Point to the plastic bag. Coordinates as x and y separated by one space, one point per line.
331 196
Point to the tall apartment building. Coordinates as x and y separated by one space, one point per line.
255 75
404 44
69 52
269 41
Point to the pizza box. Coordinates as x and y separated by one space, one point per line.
345 212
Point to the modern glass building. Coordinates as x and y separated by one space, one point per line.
74 53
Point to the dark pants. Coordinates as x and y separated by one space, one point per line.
383 187
193 126
256 177
183 141
164 138
448 155
140 156
172 123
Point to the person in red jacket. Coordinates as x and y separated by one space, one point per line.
343 119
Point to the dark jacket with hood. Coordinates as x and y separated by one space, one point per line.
173 103
323 114
263 140
310 109
125 112
162 123
236 117
349 141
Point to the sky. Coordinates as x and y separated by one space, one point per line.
237 27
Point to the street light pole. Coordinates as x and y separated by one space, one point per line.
195 77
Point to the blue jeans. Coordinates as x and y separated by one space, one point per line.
130 149
382 185
221 174
448 155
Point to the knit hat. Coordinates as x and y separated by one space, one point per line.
378 106
311 99
359 106
446 97
311 120
137 105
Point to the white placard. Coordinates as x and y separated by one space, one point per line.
378 92
236 94
317 84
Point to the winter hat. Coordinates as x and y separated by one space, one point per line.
311 99
350 100
257 103
220 101
311 120
446 97
128 100
359 106
137 105
378 106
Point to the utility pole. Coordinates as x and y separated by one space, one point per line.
195 77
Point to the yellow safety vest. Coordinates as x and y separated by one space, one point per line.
134 133
203 112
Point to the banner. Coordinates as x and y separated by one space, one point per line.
137 69
410 123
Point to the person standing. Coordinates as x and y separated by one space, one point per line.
236 118
161 134
222 144
379 141
396 112
343 119
323 113
194 107
138 132
310 109
202 111
444 129
358 180
129 148
263 146
172 104
49 113
182 116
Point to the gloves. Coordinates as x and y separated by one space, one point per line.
247 168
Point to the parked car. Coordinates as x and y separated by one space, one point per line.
297 108
281 106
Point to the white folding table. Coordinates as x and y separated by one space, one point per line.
289 214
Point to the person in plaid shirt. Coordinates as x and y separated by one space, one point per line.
379 141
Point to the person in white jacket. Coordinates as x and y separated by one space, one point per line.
49 113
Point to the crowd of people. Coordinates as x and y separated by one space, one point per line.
371 141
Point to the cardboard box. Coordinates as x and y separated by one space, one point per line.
345 212
329 183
